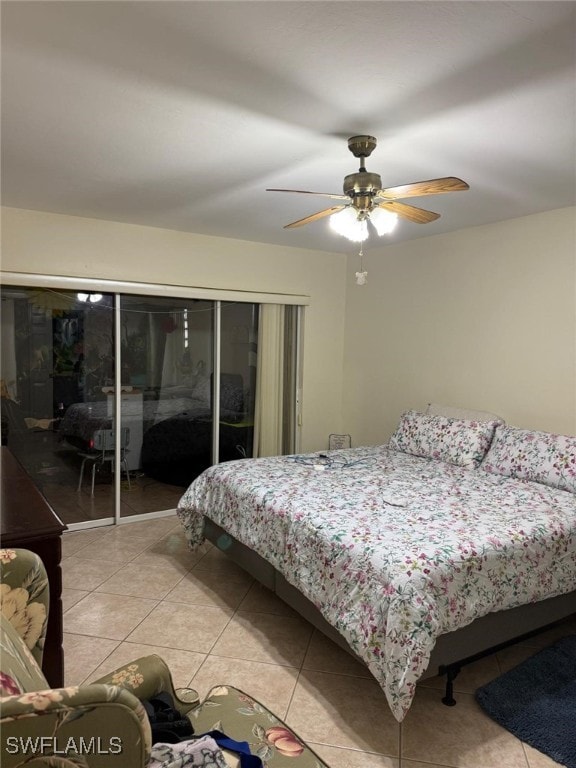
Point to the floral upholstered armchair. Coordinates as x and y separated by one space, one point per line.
103 724
98 725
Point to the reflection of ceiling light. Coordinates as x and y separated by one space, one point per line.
353 224
93 298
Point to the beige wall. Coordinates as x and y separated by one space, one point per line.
50 244
479 318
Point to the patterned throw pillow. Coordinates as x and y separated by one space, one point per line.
530 455
456 441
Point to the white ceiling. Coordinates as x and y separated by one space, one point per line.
180 114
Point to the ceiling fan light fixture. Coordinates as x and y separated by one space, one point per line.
347 224
365 199
384 222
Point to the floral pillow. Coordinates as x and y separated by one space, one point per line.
530 455
456 441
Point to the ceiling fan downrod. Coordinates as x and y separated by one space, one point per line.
362 186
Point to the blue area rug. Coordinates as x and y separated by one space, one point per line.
536 701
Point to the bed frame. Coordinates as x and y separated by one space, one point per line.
452 650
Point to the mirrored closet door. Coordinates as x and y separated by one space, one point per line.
115 403
167 351
57 363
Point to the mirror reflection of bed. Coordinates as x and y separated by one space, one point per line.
170 428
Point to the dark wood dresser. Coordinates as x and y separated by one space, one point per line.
29 522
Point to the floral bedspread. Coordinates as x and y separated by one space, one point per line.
394 550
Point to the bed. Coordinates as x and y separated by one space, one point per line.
178 449
81 420
453 538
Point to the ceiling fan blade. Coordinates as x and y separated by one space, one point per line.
430 187
304 192
315 216
410 212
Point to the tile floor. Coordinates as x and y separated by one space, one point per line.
137 589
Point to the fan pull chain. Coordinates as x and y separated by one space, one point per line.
361 275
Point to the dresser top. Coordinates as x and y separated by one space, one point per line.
25 512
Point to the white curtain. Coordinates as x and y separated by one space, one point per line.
269 382
173 349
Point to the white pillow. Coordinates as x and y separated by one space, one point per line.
434 409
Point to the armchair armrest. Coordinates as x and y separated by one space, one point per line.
105 724
148 676
24 597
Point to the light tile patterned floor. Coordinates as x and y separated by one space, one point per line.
136 589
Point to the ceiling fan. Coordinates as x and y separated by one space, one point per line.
365 199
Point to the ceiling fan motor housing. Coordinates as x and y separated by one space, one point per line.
362 187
